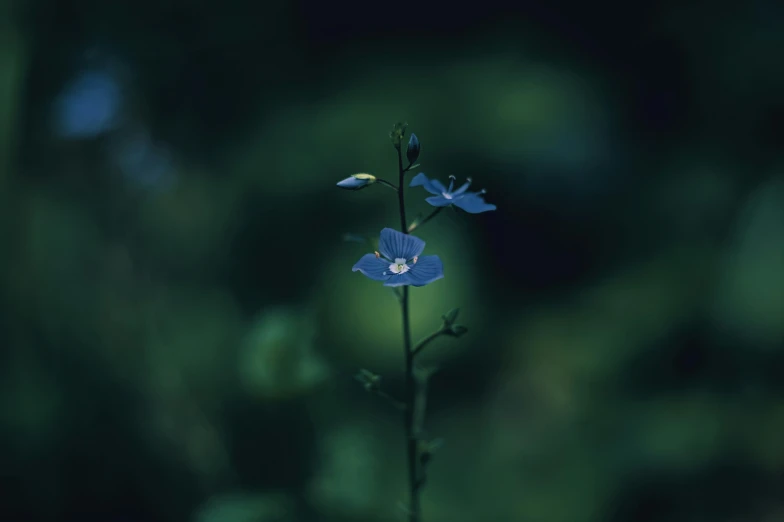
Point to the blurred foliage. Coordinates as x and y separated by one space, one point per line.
180 327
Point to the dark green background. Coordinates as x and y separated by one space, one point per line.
179 324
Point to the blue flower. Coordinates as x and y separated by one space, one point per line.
471 202
357 181
398 261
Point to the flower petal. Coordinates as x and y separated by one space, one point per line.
473 203
431 185
462 188
393 244
352 183
439 201
373 267
399 280
434 183
426 270
419 180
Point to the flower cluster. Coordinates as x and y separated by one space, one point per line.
399 262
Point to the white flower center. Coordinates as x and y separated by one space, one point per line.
446 195
399 266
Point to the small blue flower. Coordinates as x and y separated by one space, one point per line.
471 202
398 261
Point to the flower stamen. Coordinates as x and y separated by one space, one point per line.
399 266
377 254
415 259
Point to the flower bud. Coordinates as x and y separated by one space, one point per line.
412 153
397 133
357 181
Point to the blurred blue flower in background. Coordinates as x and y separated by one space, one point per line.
471 202
141 161
398 262
89 106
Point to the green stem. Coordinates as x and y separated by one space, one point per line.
410 393
394 402
421 344
386 184
433 214
401 197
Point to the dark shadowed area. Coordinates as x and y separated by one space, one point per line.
180 327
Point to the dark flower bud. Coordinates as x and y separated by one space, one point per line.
412 153
357 181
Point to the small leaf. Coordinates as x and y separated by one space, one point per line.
457 330
424 453
354 238
435 444
450 316
415 222
423 373
370 380
428 448
412 167
397 293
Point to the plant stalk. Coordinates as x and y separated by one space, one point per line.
414 509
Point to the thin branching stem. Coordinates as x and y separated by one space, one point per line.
424 342
393 401
387 184
410 384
